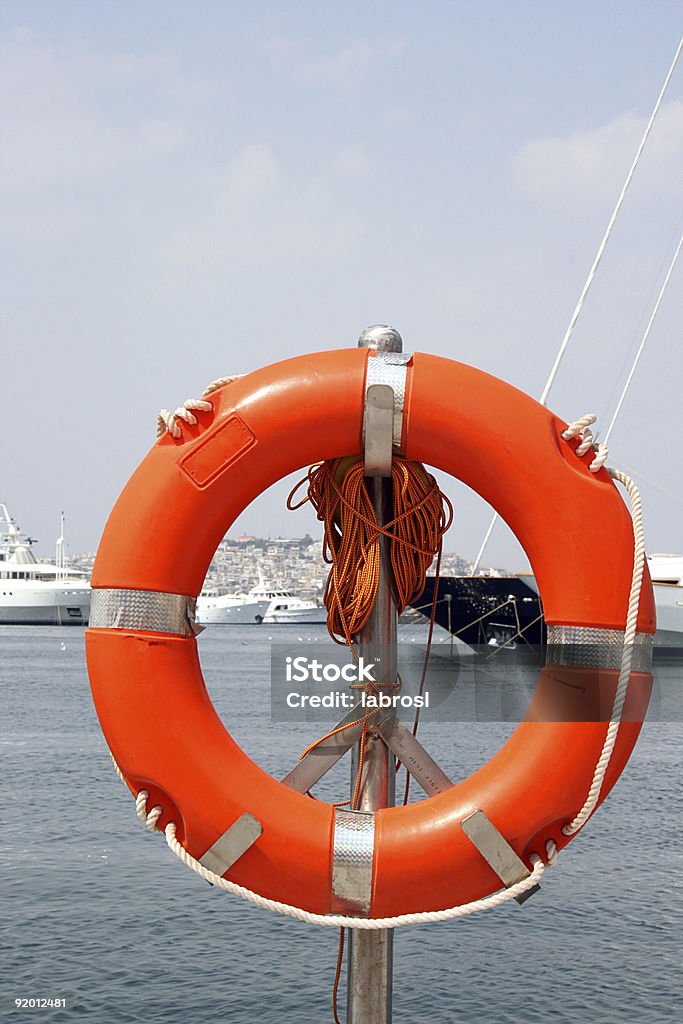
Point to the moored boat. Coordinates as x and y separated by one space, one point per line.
506 611
34 593
667 580
284 606
219 608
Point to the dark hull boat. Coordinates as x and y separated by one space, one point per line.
506 611
492 611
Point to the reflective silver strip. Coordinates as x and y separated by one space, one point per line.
145 610
354 842
235 841
596 648
391 368
497 852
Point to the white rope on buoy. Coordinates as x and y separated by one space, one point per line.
343 920
219 382
151 818
170 421
185 413
148 818
626 657
581 428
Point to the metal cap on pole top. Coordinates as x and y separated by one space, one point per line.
381 338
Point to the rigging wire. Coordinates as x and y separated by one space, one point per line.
591 275
642 343
603 244
647 305
642 478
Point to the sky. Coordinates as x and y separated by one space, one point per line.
190 190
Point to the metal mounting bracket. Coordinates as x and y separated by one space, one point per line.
318 761
234 842
412 755
379 429
497 852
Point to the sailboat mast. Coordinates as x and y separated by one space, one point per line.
60 554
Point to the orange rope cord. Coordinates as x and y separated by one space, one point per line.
335 732
425 664
337 976
422 514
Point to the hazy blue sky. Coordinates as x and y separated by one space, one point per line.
194 189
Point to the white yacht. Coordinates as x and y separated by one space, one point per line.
214 606
34 593
667 580
284 606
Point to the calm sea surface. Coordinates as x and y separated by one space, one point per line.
99 911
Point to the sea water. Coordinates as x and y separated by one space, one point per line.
99 912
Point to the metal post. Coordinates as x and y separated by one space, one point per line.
371 953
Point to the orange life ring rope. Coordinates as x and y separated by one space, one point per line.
146 679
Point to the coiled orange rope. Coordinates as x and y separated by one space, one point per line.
421 515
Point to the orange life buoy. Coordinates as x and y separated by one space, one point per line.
146 680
